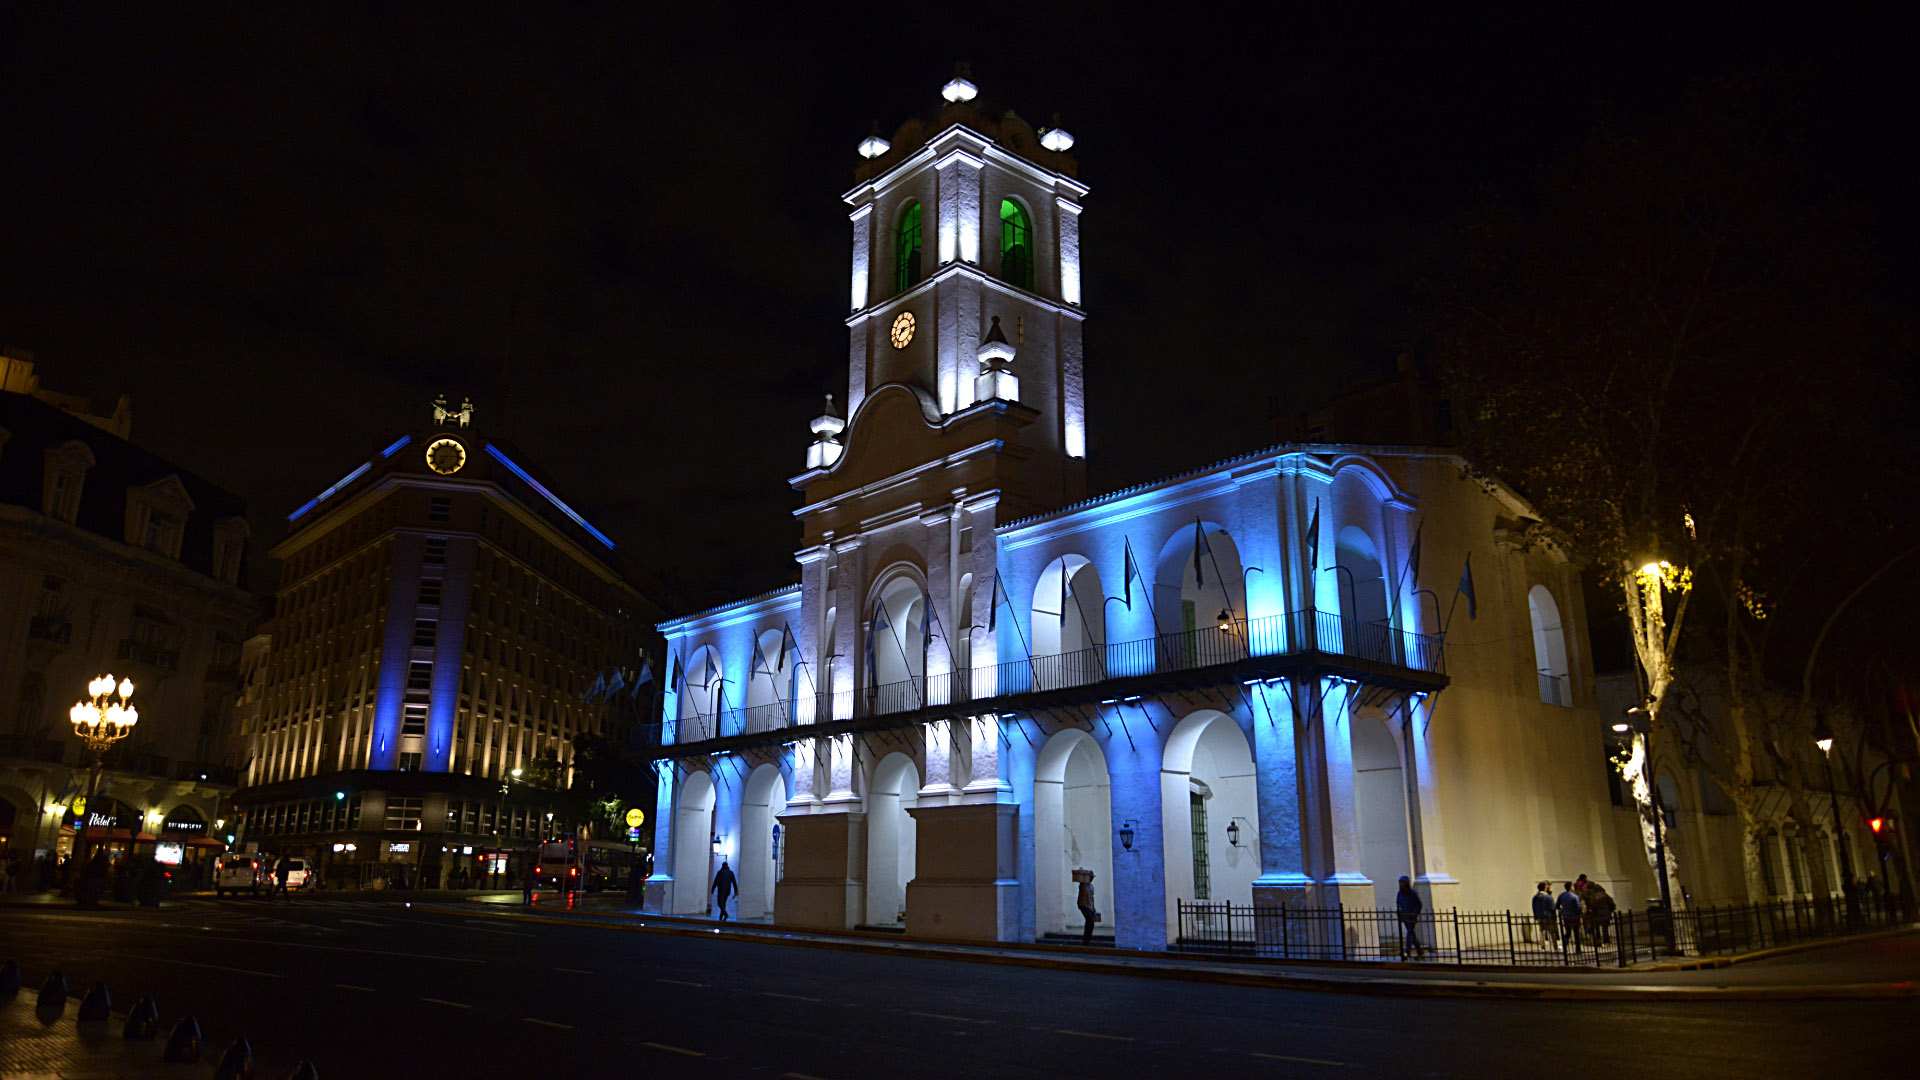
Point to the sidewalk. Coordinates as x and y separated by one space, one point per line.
1757 977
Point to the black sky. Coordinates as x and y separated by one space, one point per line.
618 226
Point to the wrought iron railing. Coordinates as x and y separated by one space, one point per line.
1187 650
1620 938
50 628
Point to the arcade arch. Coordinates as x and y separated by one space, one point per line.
1069 625
892 794
1073 830
1549 646
1367 630
764 800
1209 813
1200 597
897 639
693 863
700 695
770 684
1380 799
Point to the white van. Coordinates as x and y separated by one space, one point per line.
239 871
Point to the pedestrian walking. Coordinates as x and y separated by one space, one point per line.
282 873
723 887
1409 905
1085 902
1568 905
1543 915
1599 905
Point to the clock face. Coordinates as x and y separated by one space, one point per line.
902 329
446 456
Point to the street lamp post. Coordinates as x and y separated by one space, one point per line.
1823 738
99 724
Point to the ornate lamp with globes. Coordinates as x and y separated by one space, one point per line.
99 724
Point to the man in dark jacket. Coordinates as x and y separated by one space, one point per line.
1543 915
1568 905
1409 905
723 887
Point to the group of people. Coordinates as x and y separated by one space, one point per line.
1581 906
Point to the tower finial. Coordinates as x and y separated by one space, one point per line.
960 88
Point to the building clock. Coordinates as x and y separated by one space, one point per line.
446 456
902 329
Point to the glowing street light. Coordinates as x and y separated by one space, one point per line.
99 723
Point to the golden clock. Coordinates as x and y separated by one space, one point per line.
446 456
902 329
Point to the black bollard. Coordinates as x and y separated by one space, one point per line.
236 1063
144 1021
304 1071
184 1043
97 1006
9 980
53 992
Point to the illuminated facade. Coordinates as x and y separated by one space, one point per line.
446 628
1228 686
111 560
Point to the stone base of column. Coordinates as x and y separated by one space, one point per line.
826 863
965 885
1440 891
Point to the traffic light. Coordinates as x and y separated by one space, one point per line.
1876 824
339 796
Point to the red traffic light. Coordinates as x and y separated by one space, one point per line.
1876 824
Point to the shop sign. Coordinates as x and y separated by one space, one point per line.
169 853
184 820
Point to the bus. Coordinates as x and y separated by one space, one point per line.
608 862
585 865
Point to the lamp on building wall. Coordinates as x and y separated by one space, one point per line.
716 842
1126 834
99 723
1226 621
1233 833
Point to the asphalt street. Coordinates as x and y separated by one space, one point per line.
371 988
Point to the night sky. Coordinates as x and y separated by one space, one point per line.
283 232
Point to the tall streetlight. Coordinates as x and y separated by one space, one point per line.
99 724
1823 738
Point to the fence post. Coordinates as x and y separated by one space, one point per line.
1512 958
1459 951
1340 914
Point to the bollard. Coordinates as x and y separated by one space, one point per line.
9 980
304 1071
236 1063
144 1021
97 1006
184 1043
53 992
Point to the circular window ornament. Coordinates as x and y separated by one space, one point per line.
902 329
446 456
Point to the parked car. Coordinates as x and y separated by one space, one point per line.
240 871
299 874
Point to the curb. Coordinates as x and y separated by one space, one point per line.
921 949
1714 962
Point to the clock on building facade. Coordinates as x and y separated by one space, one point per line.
446 456
902 329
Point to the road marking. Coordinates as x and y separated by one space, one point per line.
1299 1060
1093 1035
448 1004
681 982
546 1023
363 922
943 1016
506 933
797 1076
573 971
674 1049
789 997
360 989
210 967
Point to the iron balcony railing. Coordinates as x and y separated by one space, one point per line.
1198 649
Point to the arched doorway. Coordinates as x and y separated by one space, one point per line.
1073 830
770 683
701 695
897 639
1366 629
693 864
1200 598
1210 815
1069 625
1380 800
760 809
1549 646
890 838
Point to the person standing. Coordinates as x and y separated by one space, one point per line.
1599 905
1409 906
1543 915
1568 905
282 873
723 887
1085 903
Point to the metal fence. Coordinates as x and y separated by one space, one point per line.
1509 938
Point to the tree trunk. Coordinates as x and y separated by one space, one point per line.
1801 812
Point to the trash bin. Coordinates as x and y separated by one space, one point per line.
1659 924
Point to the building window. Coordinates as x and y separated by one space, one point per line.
404 813
1016 245
157 515
229 545
440 508
425 632
436 554
66 470
906 250
420 675
413 718
429 592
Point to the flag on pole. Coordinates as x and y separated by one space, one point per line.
1466 588
993 606
617 683
1132 571
788 646
674 675
1313 540
712 673
759 663
926 626
1063 592
1413 556
1199 548
599 687
642 679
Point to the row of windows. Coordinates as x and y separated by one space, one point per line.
1016 246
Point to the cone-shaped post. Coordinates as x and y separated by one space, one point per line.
184 1044
144 1021
53 992
304 1071
97 1006
9 980
236 1063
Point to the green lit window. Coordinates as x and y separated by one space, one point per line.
906 250
1016 245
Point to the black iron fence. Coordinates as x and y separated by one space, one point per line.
1504 937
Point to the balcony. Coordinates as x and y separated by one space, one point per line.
50 628
1554 689
150 654
1301 643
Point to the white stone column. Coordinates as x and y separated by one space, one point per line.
987 776
1423 801
1342 881
939 786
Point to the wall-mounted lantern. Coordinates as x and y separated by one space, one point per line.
1233 833
1126 834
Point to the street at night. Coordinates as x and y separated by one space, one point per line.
374 988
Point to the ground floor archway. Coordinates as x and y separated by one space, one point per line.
891 839
1210 815
1380 802
693 863
1073 830
764 800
